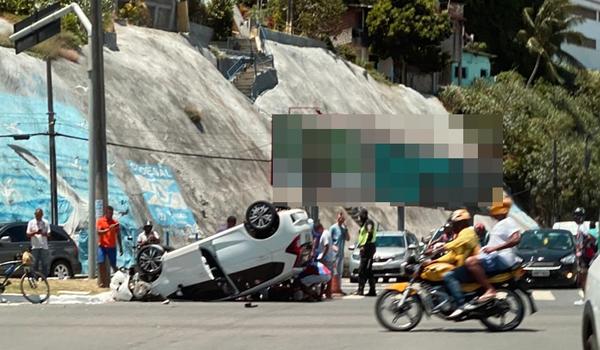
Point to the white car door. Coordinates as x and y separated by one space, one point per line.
237 251
183 267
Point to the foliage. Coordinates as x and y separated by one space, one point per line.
317 19
544 34
136 12
347 51
197 11
533 118
220 18
496 23
409 31
477 46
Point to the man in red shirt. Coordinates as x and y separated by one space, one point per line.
108 236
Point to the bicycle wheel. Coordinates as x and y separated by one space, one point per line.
34 287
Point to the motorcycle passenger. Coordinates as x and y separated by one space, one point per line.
464 245
499 253
148 236
585 248
366 244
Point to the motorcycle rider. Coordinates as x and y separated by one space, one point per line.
148 236
366 244
464 245
499 253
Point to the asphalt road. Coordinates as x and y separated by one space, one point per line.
339 324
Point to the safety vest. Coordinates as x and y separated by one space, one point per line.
363 234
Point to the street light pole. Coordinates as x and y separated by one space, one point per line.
52 147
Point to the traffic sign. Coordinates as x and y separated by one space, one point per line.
44 33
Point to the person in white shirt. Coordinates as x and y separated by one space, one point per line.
499 253
327 255
38 232
148 236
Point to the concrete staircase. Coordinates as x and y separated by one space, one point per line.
245 80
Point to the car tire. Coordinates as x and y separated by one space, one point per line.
149 260
61 269
262 219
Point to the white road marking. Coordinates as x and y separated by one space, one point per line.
543 295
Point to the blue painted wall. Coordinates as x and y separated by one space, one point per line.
474 67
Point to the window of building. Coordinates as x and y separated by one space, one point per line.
464 72
484 73
584 12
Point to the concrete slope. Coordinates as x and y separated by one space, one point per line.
150 83
315 77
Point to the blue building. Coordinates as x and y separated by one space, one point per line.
475 65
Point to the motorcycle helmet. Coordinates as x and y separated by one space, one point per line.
148 224
579 212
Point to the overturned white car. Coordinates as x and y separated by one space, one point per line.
270 247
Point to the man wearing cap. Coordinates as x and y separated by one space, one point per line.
366 243
499 253
148 236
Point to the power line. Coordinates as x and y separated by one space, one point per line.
187 154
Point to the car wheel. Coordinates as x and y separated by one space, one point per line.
262 219
149 259
61 270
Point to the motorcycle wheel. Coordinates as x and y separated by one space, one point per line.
498 323
394 319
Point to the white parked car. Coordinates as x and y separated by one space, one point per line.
270 247
591 314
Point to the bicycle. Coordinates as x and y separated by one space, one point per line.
34 286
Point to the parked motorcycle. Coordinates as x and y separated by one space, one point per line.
401 306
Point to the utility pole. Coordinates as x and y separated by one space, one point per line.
52 147
554 183
97 125
400 218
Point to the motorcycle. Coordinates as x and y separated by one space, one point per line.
400 307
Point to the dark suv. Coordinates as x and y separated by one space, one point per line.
64 260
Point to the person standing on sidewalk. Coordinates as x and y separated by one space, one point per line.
585 250
38 232
366 244
108 236
339 234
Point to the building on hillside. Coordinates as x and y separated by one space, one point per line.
354 32
589 52
475 65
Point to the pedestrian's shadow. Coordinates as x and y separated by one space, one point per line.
470 330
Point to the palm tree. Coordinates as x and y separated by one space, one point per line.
544 35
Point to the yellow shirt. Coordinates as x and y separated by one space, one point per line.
463 246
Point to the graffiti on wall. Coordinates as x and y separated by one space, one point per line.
24 179
163 198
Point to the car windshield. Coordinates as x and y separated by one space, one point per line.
390 241
554 240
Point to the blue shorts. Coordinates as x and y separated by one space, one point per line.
493 264
104 252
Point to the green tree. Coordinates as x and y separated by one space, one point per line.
534 118
544 35
220 18
409 31
317 19
496 23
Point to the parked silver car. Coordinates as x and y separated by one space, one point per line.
393 248
64 261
